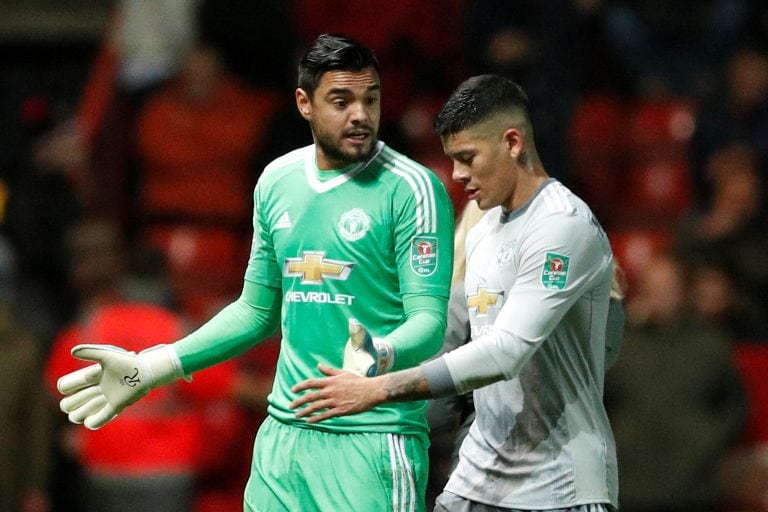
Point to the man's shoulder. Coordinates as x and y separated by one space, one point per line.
285 164
393 159
407 173
557 207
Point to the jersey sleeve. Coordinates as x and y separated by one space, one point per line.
262 267
559 259
423 234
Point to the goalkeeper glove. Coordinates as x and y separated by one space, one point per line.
364 355
98 393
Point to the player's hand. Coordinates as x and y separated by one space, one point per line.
98 393
364 355
341 393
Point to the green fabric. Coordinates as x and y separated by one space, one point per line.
421 336
374 242
296 468
249 319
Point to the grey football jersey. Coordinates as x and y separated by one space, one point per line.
537 287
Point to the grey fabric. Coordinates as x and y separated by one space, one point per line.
449 502
439 378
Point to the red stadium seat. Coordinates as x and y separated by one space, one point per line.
633 248
595 129
206 265
660 128
598 184
200 251
595 152
657 193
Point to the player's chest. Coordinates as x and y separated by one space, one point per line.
330 222
492 268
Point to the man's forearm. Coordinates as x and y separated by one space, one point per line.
421 335
430 380
406 385
342 393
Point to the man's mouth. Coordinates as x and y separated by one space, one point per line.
358 136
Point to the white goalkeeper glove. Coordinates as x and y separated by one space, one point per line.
365 355
98 393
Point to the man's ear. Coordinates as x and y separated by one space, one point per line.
303 103
515 141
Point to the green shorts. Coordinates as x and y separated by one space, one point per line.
299 469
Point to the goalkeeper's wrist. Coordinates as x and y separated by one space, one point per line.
385 357
162 364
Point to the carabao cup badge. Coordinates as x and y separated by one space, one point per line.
354 224
424 255
555 271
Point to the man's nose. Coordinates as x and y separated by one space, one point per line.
459 173
359 112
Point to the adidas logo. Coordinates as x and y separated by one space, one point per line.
284 221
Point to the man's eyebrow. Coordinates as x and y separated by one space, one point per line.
347 90
459 153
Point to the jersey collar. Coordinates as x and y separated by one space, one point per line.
509 216
311 170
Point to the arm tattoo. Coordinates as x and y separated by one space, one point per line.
407 385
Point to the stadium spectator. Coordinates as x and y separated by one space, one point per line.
721 298
731 227
673 48
142 46
197 138
26 460
544 47
737 111
674 398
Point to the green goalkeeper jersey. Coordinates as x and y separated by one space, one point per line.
348 243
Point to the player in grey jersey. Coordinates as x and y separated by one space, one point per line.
538 282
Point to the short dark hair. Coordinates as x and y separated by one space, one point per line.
476 100
331 52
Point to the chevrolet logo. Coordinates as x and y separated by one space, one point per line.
483 300
313 267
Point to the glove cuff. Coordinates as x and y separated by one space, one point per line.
385 357
162 364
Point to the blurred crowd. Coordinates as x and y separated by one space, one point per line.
127 166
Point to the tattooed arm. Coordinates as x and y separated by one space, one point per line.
343 393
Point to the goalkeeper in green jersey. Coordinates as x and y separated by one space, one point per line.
351 258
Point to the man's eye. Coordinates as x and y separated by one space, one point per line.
340 103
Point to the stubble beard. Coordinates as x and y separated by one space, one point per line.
334 153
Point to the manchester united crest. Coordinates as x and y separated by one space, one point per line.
354 224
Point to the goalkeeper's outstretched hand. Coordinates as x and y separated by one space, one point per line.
364 355
98 393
